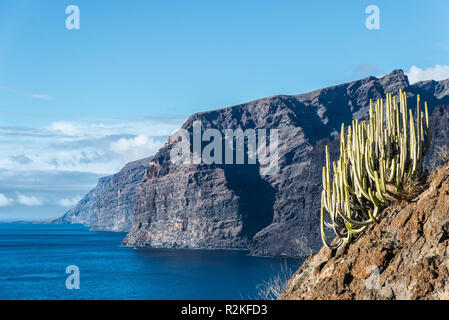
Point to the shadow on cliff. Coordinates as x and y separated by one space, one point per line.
256 197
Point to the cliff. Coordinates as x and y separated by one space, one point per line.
234 206
110 205
405 256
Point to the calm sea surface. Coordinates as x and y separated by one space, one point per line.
33 261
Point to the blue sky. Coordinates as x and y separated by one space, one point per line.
79 104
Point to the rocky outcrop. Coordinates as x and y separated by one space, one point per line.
405 256
110 205
234 206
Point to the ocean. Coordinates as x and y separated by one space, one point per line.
34 258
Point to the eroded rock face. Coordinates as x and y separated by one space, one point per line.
110 205
234 206
405 256
230 206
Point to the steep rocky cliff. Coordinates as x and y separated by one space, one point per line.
110 205
234 206
405 256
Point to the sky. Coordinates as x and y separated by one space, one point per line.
78 104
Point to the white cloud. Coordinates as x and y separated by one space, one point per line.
125 144
46 166
30 201
72 129
5 201
135 148
66 128
41 96
69 202
82 146
438 72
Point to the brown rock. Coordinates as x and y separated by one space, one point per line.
405 256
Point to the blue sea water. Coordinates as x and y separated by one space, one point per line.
34 257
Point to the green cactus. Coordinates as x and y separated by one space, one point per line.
376 160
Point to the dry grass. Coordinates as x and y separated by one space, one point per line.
409 191
413 188
442 153
272 288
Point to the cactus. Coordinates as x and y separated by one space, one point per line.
376 160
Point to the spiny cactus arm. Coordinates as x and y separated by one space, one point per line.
328 165
378 127
381 122
404 112
342 139
427 144
397 125
324 201
373 199
350 206
323 233
378 188
345 178
372 215
369 159
362 137
359 186
354 231
392 174
413 145
419 129
382 171
354 222
329 224
324 174
403 156
388 150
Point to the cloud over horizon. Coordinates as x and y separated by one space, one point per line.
5 201
30 201
438 72
49 167
69 202
83 146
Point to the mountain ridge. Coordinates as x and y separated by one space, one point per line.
306 122
234 206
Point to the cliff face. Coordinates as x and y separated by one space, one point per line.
405 256
234 206
110 205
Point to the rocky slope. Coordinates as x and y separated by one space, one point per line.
234 206
405 256
110 205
